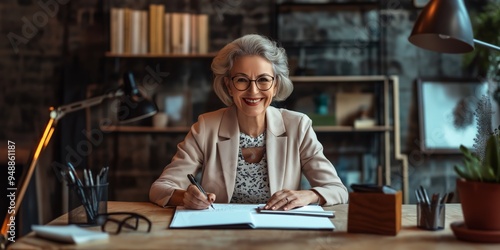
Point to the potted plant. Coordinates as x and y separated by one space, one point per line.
479 185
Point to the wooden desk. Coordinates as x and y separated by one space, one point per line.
410 237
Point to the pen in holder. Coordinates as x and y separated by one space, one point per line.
430 211
87 198
430 217
86 202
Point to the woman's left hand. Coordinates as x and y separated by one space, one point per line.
287 199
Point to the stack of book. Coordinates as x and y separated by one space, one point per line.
156 31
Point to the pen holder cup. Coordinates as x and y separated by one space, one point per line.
430 217
86 202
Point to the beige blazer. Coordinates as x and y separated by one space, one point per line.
212 145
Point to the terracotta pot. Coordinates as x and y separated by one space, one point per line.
480 204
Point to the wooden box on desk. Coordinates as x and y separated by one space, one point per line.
375 213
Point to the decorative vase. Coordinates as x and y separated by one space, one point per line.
480 204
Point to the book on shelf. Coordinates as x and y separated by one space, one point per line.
152 26
185 26
126 31
116 29
158 31
175 33
167 19
160 28
135 32
144 33
193 35
202 30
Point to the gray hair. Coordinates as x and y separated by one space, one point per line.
251 45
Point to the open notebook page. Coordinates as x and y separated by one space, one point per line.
237 215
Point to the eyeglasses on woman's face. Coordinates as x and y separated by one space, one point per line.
242 83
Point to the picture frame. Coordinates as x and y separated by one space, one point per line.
446 113
420 3
177 106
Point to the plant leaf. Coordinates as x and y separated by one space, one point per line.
472 165
492 159
462 172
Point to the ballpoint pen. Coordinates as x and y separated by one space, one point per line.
194 182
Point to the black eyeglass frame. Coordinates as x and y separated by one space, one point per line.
255 80
122 222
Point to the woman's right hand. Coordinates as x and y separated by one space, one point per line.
195 199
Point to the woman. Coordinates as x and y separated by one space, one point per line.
250 152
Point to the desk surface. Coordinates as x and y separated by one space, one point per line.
160 237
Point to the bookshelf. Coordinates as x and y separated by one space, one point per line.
173 42
385 133
154 30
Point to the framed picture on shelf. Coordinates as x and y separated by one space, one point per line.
420 3
177 107
446 113
352 107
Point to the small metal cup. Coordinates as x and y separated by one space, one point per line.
430 217
86 202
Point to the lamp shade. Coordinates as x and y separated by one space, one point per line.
443 26
133 106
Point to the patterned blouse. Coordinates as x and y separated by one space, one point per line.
252 182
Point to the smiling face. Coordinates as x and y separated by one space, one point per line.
251 102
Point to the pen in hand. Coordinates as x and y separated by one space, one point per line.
194 182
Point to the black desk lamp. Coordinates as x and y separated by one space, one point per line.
133 107
444 26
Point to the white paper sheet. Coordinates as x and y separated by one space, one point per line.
236 215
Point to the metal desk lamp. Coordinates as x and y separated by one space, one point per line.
133 107
444 26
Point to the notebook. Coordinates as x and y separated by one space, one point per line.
247 216
68 233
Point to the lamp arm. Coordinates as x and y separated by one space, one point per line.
55 115
75 106
491 46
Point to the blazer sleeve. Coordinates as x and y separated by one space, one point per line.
318 170
187 160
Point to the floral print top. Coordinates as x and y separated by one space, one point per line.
252 181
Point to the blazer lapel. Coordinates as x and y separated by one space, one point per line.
228 148
276 141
